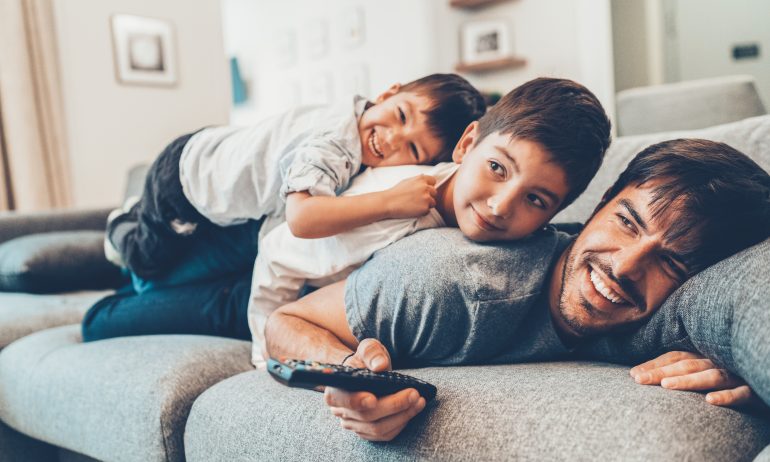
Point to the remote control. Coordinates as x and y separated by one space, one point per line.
310 374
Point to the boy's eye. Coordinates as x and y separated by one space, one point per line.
496 168
413 148
537 201
401 116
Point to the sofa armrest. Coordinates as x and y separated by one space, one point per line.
15 224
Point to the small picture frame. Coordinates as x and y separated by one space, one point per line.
143 50
484 41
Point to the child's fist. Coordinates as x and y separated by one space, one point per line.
413 197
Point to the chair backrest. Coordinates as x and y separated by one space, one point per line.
687 105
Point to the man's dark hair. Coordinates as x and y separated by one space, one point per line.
562 116
456 103
720 195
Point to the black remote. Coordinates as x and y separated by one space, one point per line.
310 374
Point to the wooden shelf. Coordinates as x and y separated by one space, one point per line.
470 4
488 66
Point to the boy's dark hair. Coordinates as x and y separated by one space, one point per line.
456 103
562 116
722 197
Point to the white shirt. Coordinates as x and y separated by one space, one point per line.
233 174
286 263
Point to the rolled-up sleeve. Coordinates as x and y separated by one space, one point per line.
322 167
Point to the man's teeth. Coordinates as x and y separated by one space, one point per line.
606 292
374 145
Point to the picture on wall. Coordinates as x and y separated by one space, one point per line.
484 41
143 50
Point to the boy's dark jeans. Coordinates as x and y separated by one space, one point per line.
147 243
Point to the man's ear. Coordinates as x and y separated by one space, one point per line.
466 143
395 88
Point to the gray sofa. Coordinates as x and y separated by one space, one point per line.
171 398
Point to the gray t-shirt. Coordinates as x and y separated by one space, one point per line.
436 298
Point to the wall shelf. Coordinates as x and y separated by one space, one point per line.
488 66
471 4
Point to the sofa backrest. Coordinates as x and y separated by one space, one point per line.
750 136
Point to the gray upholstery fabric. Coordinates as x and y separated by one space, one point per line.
15 447
23 314
548 411
120 399
57 262
13 224
687 105
750 136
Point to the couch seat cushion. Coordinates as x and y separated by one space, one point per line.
22 314
550 411
119 399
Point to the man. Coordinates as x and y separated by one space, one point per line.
434 299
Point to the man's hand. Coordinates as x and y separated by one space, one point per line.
370 417
680 370
410 198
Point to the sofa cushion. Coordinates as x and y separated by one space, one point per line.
22 314
750 136
120 399
547 411
15 447
56 262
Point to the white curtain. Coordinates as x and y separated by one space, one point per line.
34 157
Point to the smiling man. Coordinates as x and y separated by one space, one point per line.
435 299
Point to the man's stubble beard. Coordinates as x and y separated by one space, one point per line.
571 321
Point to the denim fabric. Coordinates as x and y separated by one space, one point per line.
722 313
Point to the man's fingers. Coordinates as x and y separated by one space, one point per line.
384 429
358 400
662 360
374 355
710 379
733 397
678 368
386 406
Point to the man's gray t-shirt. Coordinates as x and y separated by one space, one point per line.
437 298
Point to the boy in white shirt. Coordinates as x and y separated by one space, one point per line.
531 155
291 168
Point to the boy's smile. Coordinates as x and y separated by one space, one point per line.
505 188
394 131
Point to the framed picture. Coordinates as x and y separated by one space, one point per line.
143 50
485 41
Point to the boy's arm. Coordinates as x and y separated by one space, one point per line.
315 327
312 217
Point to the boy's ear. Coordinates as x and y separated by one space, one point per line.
395 88
466 143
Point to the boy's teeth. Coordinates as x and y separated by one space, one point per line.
374 145
606 292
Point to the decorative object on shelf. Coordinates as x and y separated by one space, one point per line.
143 50
240 93
484 41
494 65
473 3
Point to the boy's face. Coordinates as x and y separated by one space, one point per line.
395 131
505 188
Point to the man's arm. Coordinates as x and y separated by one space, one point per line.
315 327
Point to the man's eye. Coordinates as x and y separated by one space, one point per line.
401 116
626 222
537 201
496 168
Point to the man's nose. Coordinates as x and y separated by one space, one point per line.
631 260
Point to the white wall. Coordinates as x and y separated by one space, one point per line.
405 39
112 126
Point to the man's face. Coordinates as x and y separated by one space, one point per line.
505 188
395 130
620 269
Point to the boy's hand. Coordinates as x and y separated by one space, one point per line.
680 370
370 417
413 197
